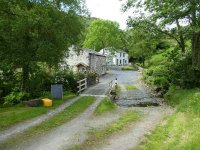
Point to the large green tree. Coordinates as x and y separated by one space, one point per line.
37 31
103 34
166 13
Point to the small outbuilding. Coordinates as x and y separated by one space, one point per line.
86 60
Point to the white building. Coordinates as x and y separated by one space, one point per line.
119 58
86 60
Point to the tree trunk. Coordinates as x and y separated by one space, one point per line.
25 78
196 50
181 38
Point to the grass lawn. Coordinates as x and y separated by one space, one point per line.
182 129
105 106
66 115
130 87
96 136
12 115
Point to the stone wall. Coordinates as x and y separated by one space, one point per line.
98 63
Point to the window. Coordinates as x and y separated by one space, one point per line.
120 54
123 54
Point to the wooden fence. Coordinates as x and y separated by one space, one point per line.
82 85
110 84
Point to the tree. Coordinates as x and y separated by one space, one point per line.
173 12
103 34
37 31
142 44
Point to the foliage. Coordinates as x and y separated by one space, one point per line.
91 78
158 76
130 87
129 68
103 34
31 33
105 106
172 13
15 98
169 68
66 115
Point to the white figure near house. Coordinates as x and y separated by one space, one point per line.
119 58
86 60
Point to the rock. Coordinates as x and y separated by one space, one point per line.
33 103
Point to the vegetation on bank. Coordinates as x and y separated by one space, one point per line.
133 67
181 130
66 115
12 115
130 87
96 136
106 105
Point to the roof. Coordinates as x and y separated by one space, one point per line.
92 52
83 64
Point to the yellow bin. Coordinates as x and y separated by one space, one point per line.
47 102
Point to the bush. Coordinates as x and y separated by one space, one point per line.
16 98
39 83
91 78
129 68
157 76
68 79
158 59
162 83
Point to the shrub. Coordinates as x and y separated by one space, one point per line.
68 79
129 68
16 98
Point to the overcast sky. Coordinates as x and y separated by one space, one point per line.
107 9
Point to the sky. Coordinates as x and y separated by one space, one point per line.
108 9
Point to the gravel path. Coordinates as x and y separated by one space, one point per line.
70 133
131 138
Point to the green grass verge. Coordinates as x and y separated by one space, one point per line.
105 106
131 87
182 132
15 114
129 68
117 89
182 129
95 136
66 115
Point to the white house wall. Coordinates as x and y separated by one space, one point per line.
121 58
75 58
